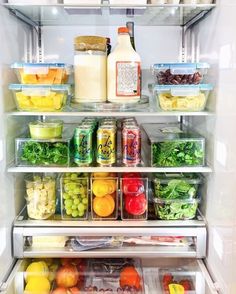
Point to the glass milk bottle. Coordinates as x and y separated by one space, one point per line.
90 67
123 71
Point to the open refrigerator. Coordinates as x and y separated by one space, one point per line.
163 33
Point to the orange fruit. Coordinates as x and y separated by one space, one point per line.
130 277
103 187
104 206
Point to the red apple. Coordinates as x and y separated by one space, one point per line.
132 186
136 205
67 276
60 290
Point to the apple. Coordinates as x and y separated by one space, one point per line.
132 186
67 276
136 205
60 290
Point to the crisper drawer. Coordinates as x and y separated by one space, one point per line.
86 276
110 239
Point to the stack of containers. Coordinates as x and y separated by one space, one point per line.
180 87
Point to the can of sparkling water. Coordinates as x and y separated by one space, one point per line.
106 146
131 145
83 145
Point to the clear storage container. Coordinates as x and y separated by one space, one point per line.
104 198
40 196
134 197
176 186
176 209
39 2
183 97
50 129
128 2
82 2
74 196
180 73
40 98
173 145
36 152
42 73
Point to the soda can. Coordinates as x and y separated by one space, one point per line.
131 145
106 145
83 145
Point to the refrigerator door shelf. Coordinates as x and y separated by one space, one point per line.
151 271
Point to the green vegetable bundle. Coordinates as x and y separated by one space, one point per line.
177 153
45 153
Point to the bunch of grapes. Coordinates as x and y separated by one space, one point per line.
74 189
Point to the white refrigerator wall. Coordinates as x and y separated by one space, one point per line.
217 45
14 41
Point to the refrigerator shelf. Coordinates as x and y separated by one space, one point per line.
74 113
149 14
115 169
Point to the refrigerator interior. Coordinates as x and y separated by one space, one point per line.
213 41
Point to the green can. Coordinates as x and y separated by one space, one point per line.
83 145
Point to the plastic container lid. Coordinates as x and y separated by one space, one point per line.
181 68
18 87
157 200
183 90
17 65
167 177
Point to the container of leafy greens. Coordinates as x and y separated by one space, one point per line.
176 196
44 152
174 145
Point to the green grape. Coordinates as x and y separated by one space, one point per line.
66 196
67 174
73 176
68 211
81 213
70 186
75 213
81 207
83 195
74 206
85 201
76 201
66 181
77 191
84 182
71 193
68 202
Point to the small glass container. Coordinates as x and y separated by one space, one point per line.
40 196
50 129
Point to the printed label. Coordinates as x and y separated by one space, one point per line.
127 78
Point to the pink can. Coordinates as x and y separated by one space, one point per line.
131 145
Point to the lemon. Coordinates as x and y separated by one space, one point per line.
37 285
36 269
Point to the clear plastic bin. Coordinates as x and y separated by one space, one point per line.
184 280
53 152
183 97
180 73
176 186
173 145
176 209
40 98
115 276
49 129
128 2
104 198
42 73
40 196
134 198
74 196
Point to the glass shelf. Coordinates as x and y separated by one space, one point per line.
105 14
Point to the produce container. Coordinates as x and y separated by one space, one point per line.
134 197
179 73
176 186
40 97
104 198
36 152
173 145
74 196
40 196
128 2
83 2
51 129
183 97
42 73
39 2
180 280
115 276
176 209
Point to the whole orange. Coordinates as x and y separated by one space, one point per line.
104 206
130 277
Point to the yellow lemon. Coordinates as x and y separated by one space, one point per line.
37 285
100 188
36 269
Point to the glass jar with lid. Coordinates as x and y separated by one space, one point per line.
90 67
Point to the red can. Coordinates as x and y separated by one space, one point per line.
131 145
